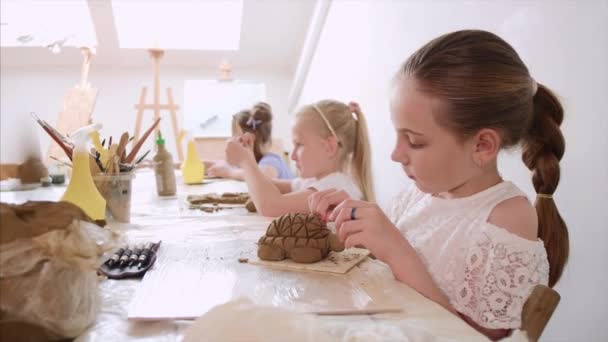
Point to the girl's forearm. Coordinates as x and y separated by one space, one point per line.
408 268
261 189
236 173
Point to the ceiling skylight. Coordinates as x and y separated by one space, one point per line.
44 23
181 25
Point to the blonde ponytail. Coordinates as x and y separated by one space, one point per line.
361 160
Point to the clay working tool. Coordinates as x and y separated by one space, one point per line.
109 164
116 166
113 261
370 311
93 165
143 257
142 157
125 257
148 255
61 161
135 255
122 144
100 165
140 142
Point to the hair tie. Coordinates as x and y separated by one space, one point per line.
354 109
251 122
544 196
353 106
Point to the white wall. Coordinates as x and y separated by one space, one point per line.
565 46
41 89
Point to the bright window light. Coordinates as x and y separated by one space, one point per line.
180 25
44 23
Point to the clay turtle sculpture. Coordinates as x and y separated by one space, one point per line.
303 238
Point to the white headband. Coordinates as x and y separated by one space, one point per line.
331 129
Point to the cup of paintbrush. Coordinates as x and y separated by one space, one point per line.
131 156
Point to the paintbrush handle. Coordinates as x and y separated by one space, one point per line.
142 157
67 150
60 161
140 142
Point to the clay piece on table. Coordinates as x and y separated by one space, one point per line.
303 238
31 171
250 206
214 198
211 202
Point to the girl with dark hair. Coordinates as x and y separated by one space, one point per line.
255 126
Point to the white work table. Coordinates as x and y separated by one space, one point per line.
202 250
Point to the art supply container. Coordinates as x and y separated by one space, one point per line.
116 189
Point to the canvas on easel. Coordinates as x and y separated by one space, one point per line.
78 105
156 106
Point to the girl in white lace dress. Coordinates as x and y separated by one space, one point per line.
462 236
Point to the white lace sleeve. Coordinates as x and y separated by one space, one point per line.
500 272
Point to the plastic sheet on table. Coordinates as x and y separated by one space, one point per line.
420 322
112 324
178 206
220 228
188 281
263 323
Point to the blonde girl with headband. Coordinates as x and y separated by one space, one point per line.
461 235
331 151
256 124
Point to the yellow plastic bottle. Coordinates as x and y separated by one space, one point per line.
193 169
82 191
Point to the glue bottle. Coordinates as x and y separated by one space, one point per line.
163 169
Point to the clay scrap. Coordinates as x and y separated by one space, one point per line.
213 202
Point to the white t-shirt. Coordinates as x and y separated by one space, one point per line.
336 180
486 271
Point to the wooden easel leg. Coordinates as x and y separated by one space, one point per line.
172 109
140 112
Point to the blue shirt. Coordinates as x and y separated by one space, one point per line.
274 160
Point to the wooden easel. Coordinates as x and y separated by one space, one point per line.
157 54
